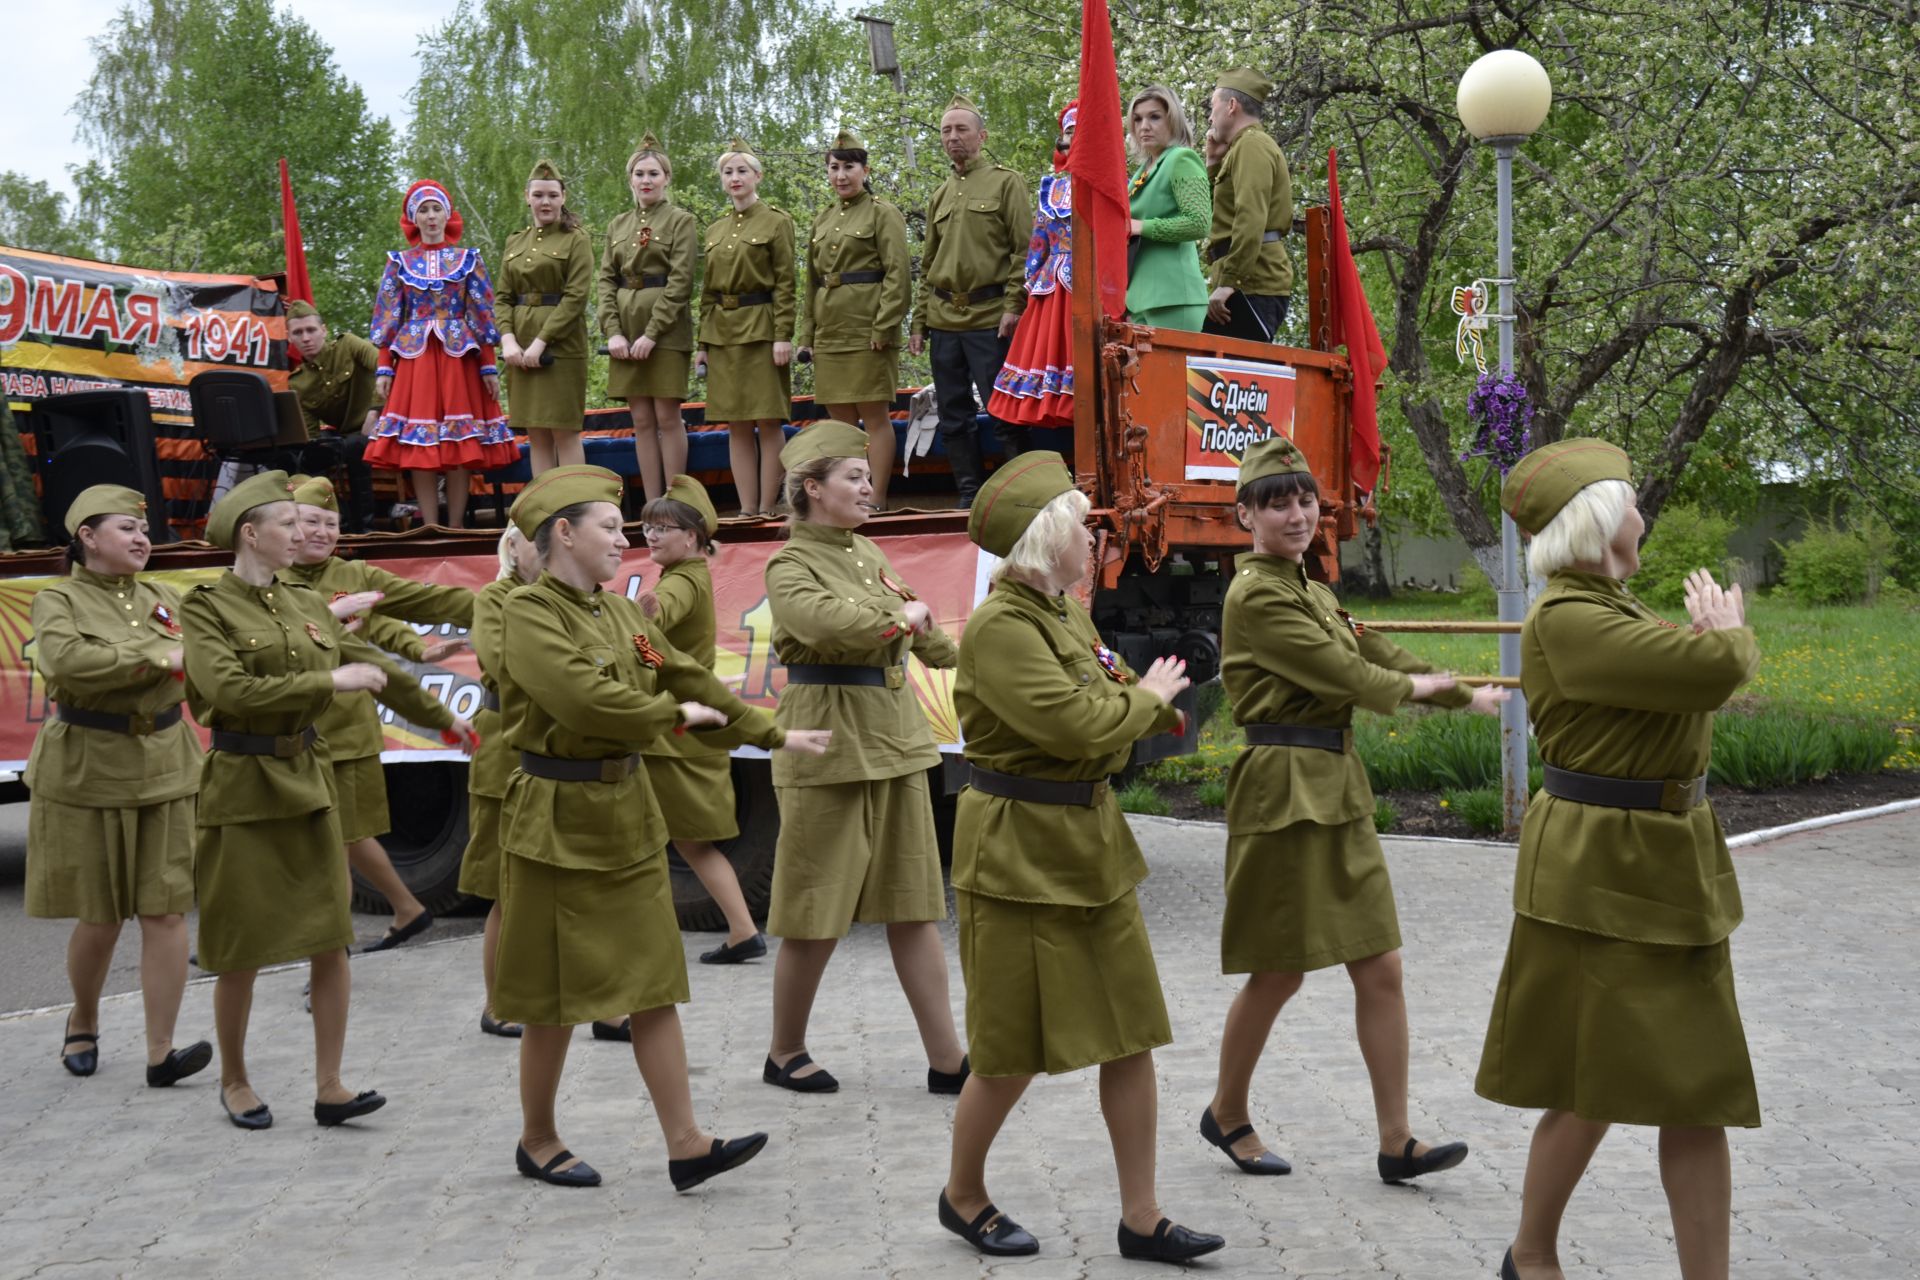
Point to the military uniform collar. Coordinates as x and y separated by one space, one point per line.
855 199
974 165
308 573
231 581
1033 596
1580 580
567 591
93 579
824 534
1273 566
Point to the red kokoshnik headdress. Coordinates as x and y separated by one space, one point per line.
427 189
1069 115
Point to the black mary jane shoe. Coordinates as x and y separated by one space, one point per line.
256 1118
949 1082
991 1231
1507 1270
494 1027
402 933
1408 1165
1168 1243
1266 1163
736 952
821 1081
85 1062
364 1103
179 1064
581 1175
730 1154
622 1031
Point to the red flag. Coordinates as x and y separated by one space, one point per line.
299 286
1098 161
1352 324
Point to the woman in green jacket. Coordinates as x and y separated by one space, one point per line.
542 294
1172 209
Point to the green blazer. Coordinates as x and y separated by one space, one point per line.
1166 272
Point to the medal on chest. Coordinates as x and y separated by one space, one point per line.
648 654
164 616
900 589
316 635
1353 624
645 237
1110 663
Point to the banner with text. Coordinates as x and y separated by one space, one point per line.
1232 404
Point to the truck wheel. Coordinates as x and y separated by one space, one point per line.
750 852
427 804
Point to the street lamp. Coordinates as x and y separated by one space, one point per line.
1503 98
886 62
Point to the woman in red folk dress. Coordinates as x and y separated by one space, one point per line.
439 390
1035 386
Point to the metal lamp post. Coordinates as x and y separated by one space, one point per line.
1503 98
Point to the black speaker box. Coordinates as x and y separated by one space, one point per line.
97 437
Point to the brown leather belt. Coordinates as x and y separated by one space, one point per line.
561 769
1299 735
137 725
967 297
283 746
643 282
537 299
834 279
1221 248
1012 786
730 301
1671 795
835 673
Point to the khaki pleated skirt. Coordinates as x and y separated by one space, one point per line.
695 794
852 852
744 385
101 866
1618 1032
362 805
271 891
856 377
663 375
480 863
1306 897
553 398
1052 989
579 946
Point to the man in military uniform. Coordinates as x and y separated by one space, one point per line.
1247 268
335 385
972 268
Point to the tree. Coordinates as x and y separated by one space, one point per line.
35 216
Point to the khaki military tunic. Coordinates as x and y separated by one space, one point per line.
493 760
660 244
1252 196
748 251
692 779
1059 971
856 825
110 823
1307 885
335 384
979 224
587 923
844 319
1617 999
544 263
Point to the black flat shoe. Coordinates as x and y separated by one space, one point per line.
85 1062
488 1024
179 1064
730 1154
329 1114
257 1118
821 1081
991 1231
1168 1243
1402 1167
623 1032
949 1081
1507 1270
736 952
581 1175
1266 1164
405 933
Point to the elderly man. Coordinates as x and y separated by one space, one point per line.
1248 268
335 383
972 268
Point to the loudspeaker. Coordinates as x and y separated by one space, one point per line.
237 411
97 437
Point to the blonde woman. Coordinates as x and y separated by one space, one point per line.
1172 209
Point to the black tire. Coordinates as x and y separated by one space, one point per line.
427 804
750 852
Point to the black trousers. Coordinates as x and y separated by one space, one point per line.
966 361
347 449
1257 317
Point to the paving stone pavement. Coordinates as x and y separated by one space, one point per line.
103 1177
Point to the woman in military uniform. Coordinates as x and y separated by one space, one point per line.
546 281
746 329
1059 971
264 658
646 295
112 776
1616 1003
692 781
856 830
858 285
587 926
351 723
1307 884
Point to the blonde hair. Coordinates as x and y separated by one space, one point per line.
753 161
1179 131
1048 540
513 544
644 153
1582 530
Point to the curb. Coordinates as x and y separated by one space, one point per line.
1748 838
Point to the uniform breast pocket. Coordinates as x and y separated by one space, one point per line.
1082 672
601 656
260 651
983 206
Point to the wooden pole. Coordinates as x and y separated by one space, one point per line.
1443 627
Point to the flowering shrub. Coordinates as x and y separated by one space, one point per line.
1502 417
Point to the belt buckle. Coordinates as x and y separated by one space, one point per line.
288 745
729 301
896 676
1100 789
613 770
832 279
140 723
1678 796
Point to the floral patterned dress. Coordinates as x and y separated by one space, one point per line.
1035 385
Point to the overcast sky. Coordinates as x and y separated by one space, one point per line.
373 43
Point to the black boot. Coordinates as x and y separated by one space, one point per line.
1014 439
963 456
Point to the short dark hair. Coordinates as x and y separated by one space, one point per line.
1267 491
1248 103
672 511
543 536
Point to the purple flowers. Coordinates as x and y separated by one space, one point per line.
1502 416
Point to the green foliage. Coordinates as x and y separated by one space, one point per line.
1687 538
1385 816
1213 794
1481 808
1827 564
1477 598
1141 796
1774 747
35 216
1428 750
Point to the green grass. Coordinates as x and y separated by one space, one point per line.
1385 816
1141 796
1480 808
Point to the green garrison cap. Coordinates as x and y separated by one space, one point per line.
1247 81
738 146
1013 496
694 494
296 309
105 500
961 102
827 439
1274 456
649 142
847 140
554 491
543 171
314 491
1544 481
256 490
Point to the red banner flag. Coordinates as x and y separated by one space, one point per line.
1352 324
299 286
1098 161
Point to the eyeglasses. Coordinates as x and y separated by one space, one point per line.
649 530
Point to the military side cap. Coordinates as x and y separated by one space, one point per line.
298 309
543 171
256 490
1247 81
686 489
827 439
105 500
1545 480
1274 456
1014 496
554 491
649 143
961 102
847 140
738 146
314 491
